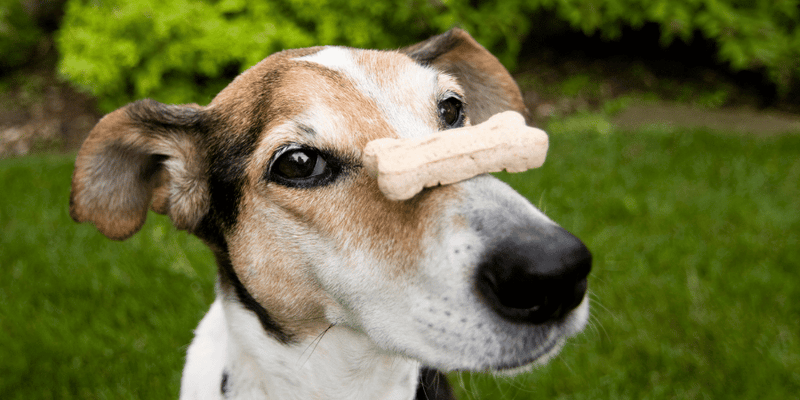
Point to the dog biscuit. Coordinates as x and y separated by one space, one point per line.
404 167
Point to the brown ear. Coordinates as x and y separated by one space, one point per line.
146 154
489 87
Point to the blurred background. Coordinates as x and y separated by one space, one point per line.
675 155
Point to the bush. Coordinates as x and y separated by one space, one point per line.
757 35
18 35
186 50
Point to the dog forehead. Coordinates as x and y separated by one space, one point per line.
364 65
404 92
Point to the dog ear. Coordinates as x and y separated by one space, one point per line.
489 87
146 154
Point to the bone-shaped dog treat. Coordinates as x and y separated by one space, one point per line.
503 142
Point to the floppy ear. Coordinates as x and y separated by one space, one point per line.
144 155
489 87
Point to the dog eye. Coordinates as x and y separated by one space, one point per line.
450 112
300 168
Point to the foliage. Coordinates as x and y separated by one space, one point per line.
693 287
18 34
759 35
186 50
125 50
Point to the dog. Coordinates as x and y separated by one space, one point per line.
326 289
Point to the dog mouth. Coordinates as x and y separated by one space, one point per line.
522 362
550 347
546 353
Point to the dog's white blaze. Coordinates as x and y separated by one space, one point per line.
409 118
336 58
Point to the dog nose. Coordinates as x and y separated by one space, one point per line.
535 277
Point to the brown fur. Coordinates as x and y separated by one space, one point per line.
117 177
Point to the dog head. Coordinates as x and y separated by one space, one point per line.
269 175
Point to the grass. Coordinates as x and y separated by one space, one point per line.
695 287
695 284
84 317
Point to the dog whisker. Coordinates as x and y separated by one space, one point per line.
313 343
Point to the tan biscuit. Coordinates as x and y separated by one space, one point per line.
503 142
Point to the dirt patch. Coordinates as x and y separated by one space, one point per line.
685 85
734 119
40 113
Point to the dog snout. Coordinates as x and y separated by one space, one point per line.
531 276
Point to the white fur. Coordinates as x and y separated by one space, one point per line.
206 357
340 364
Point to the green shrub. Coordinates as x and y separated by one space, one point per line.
758 35
187 50
18 35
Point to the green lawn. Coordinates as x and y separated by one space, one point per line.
695 287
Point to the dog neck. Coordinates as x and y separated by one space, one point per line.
233 358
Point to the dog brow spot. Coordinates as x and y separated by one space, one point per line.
307 130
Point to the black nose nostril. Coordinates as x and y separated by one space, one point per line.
535 278
516 293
